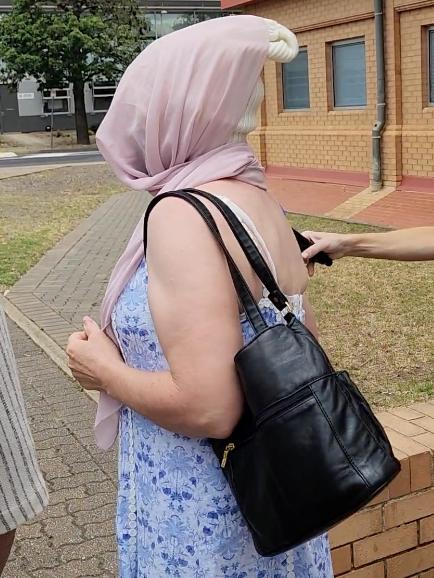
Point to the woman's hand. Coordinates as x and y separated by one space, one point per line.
90 355
334 244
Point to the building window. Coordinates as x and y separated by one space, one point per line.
295 82
349 73
431 64
56 101
102 95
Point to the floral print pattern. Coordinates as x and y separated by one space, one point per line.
176 514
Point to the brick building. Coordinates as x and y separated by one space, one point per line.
320 110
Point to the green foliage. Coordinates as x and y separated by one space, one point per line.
59 42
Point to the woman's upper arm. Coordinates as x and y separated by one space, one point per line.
194 307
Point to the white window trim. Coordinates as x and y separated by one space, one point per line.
68 97
335 107
305 108
96 96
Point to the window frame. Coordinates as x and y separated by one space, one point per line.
282 104
430 66
48 99
343 107
96 96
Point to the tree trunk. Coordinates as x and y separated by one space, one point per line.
81 127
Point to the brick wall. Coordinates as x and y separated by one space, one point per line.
417 115
321 137
394 536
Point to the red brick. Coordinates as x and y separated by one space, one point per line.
409 508
365 523
400 486
400 425
426 530
411 563
405 444
387 212
399 455
425 422
425 408
427 439
385 544
380 498
406 413
298 196
421 471
341 558
371 571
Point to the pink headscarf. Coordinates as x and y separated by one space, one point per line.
169 127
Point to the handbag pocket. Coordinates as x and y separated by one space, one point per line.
362 408
358 431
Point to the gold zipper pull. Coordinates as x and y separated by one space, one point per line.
228 449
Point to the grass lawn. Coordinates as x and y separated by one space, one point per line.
376 320
39 209
376 317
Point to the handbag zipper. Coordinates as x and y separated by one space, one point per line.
304 393
228 449
284 404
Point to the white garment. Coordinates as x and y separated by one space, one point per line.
23 494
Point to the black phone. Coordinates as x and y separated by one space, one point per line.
321 257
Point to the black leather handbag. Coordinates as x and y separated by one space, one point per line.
308 450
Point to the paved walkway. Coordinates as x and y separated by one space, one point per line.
74 538
70 280
388 208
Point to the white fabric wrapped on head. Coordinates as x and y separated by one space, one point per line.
248 121
283 45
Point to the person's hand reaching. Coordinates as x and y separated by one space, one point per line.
334 244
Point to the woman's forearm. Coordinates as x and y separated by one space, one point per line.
415 244
156 396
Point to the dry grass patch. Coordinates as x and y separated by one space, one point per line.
377 320
37 210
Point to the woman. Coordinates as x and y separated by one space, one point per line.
180 118
416 244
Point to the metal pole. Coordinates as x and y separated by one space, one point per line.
377 180
1 116
52 119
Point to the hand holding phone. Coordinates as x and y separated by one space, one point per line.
321 257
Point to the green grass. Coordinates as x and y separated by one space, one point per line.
376 319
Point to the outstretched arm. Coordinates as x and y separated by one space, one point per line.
416 244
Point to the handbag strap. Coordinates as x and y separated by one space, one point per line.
245 296
254 256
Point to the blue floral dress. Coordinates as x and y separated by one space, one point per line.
176 514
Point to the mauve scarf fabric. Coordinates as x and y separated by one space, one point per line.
170 125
